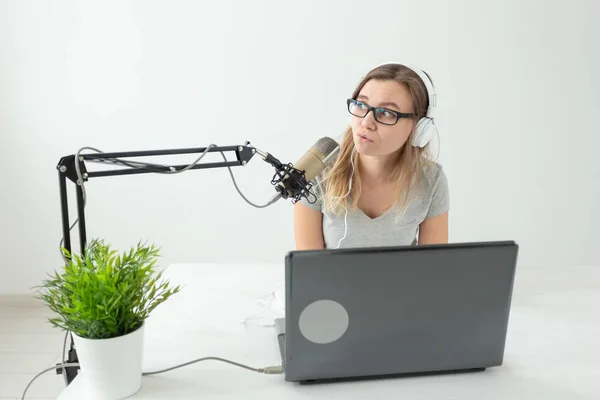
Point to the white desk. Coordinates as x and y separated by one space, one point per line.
552 352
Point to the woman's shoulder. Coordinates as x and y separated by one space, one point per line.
433 172
432 178
434 187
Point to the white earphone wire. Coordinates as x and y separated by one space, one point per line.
347 194
267 300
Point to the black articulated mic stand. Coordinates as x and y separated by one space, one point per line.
288 181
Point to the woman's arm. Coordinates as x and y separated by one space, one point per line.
308 228
434 230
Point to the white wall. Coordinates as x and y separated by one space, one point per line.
518 89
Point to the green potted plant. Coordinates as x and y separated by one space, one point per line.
103 298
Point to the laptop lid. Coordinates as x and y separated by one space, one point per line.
396 310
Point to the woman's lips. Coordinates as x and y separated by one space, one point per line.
363 138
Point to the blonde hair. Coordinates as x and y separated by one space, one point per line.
410 160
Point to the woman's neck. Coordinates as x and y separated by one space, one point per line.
375 170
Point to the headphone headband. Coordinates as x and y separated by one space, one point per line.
431 94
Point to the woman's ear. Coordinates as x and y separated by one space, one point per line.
413 132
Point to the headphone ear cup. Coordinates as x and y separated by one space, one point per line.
423 132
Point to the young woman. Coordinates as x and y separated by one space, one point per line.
382 189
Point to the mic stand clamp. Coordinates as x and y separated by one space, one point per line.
289 182
296 187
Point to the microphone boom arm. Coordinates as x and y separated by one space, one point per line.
66 164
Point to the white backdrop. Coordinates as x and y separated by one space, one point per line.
518 96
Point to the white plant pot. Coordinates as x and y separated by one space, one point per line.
111 368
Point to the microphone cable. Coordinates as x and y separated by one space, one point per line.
272 201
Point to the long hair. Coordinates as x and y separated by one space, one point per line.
410 160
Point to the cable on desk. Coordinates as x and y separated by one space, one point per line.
272 297
273 370
47 370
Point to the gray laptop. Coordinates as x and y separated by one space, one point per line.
388 311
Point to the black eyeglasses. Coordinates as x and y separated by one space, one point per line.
382 115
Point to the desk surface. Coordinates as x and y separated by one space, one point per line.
552 349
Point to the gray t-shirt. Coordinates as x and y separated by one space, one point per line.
429 199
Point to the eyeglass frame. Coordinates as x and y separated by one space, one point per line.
399 115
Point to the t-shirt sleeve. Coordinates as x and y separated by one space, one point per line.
314 201
440 201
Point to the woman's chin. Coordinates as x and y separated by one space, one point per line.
366 148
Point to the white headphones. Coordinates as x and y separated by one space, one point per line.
425 128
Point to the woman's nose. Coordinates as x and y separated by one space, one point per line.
368 121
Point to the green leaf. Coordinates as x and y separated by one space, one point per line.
104 293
